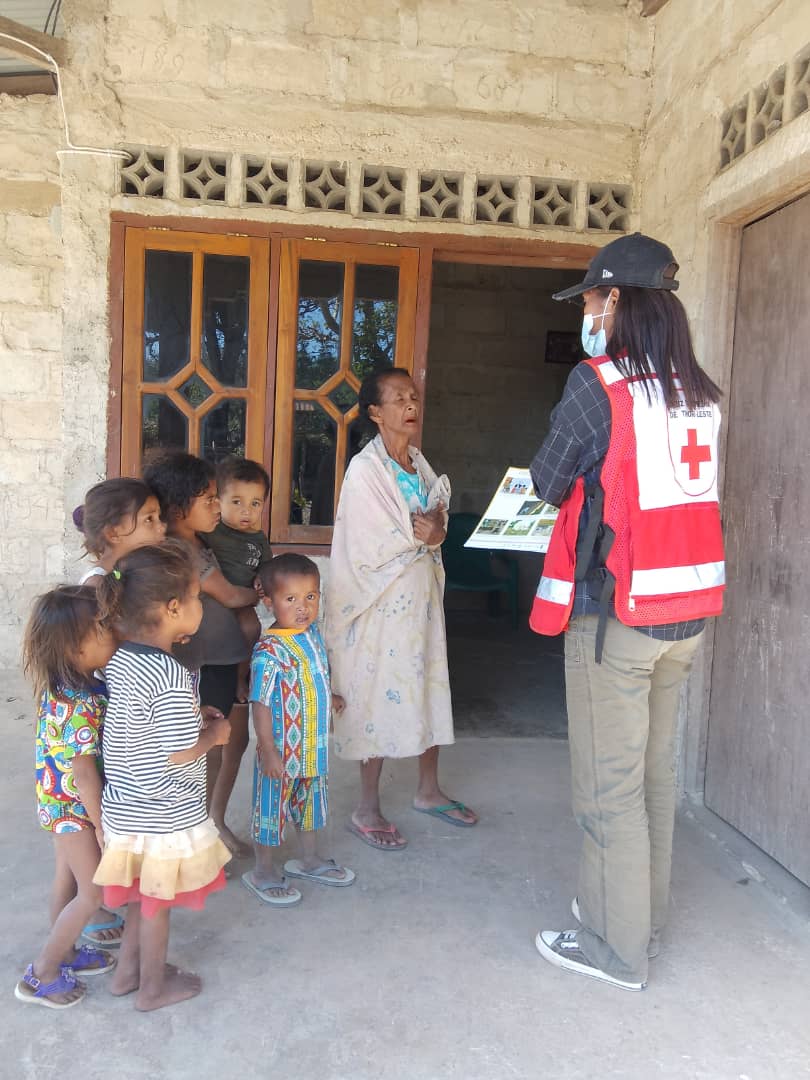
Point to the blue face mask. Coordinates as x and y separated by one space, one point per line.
594 344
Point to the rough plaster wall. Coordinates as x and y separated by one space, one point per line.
707 56
31 368
555 88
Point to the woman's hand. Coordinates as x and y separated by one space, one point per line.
429 528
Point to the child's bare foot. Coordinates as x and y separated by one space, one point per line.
232 843
177 986
123 983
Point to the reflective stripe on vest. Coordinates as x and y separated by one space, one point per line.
555 590
671 580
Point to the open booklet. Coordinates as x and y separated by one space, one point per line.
515 520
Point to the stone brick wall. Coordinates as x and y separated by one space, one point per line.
31 368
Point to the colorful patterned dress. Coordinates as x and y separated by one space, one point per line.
69 725
290 676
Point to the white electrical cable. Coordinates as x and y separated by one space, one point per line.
70 149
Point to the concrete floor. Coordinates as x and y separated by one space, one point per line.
426 968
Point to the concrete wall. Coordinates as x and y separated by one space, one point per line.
32 423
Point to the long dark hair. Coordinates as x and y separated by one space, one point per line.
145 580
651 330
60 622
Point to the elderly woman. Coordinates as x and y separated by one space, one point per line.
384 612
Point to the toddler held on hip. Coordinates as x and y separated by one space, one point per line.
292 705
161 848
186 489
65 642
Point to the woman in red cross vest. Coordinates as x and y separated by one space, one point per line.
634 568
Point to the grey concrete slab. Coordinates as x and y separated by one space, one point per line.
426 968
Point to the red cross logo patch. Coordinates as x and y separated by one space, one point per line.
694 454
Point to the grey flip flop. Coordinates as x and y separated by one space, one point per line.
295 868
294 896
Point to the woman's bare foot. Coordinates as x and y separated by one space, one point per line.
120 985
236 847
439 799
178 986
376 830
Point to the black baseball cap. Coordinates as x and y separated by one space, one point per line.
631 260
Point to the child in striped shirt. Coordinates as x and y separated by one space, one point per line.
161 848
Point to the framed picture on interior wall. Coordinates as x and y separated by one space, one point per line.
563 347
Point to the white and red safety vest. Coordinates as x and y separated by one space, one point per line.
659 479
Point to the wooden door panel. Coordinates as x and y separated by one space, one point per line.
758 758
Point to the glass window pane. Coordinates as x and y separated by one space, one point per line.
374 327
313 467
222 431
320 309
162 424
224 346
166 314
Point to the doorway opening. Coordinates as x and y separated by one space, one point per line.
500 352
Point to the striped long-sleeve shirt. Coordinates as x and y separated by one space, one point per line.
153 712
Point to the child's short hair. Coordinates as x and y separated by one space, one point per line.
290 564
144 580
242 470
178 478
60 622
108 504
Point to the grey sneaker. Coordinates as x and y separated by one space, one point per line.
653 948
560 948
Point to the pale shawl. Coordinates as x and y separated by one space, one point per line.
384 622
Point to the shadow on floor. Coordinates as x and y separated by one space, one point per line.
504 681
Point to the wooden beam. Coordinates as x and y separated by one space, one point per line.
29 83
650 7
53 45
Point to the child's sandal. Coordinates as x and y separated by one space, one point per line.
40 993
90 961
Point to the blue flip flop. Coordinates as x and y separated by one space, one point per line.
442 812
115 922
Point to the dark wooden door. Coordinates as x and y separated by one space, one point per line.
758 765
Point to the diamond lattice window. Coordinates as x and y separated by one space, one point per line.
552 203
767 107
325 185
609 207
440 195
801 83
383 193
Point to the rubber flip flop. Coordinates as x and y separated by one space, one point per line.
115 923
295 868
366 832
293 897
442 812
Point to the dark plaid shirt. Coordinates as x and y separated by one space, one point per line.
576 445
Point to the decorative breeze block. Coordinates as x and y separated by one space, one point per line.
608 207
383 191
767 107
266 181
440 195
205 176
325 186
552 203
146 173
800 102
496 199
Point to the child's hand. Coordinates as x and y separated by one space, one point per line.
270 763
100 837
210 714
338 703
220 729
257 585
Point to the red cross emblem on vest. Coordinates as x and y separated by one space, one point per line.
694 454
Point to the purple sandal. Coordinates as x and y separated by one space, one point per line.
39 993
90 961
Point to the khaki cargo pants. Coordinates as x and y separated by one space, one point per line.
622 717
